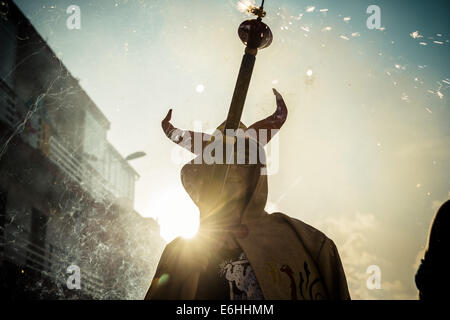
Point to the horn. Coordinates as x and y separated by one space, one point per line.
275 121
184 138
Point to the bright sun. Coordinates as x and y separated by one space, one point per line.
176 213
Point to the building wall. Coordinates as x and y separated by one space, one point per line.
66 194
8 39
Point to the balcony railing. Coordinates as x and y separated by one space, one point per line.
7 105
80 172
50 261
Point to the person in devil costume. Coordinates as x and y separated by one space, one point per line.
241 252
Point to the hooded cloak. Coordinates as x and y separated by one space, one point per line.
291 260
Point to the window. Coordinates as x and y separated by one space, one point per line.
3 199
94 143
36 248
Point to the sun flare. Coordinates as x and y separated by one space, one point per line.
244 5
176 213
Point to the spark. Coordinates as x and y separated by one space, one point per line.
346 19
323 10
245 5
300 15
305 29
355 34
200 88
344 37
309 73
438 42
326 29
310 9
405 97
416 35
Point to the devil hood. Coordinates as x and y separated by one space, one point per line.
199 181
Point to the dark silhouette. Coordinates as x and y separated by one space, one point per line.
432 277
